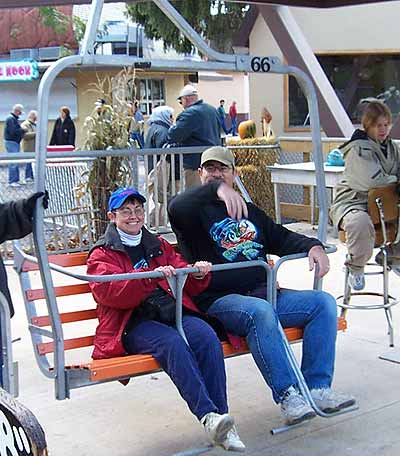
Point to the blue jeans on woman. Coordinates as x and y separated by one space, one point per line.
255 319
197 370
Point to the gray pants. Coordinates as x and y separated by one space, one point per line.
360 239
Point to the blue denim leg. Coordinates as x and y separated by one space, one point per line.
234 126
28 171
316 312
197 372
255 319
12 147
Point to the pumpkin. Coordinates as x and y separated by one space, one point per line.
247 129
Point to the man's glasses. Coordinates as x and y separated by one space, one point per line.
213 168
138 211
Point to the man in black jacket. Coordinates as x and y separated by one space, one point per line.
15 223
13 134
197 125
212 222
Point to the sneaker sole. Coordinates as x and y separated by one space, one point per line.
341 406
224 426
306 417
236 449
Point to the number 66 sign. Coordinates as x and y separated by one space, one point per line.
20 432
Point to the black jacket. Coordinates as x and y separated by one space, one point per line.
15 223
206 232
63 133
197 125
12 129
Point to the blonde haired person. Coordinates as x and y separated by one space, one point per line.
371 160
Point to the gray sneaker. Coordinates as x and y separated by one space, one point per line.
295 408
330 401
357 280
233 442
217 426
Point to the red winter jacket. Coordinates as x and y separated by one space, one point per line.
116 300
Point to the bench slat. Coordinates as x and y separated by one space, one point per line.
66 290
64 259
67 317
69 344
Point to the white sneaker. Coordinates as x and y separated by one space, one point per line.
28 180
15 184
357 280
295 408
217 426
233 442
330 401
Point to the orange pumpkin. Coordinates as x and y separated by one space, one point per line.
247 129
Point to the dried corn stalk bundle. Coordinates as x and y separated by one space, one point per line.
108 128
251 165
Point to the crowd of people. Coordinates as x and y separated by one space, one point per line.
22 135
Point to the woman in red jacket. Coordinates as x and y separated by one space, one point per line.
137 316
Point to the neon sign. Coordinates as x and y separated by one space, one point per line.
18 71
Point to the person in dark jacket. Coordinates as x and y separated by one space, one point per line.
64 129
13 134
197 125
213 223
15 223
160 122
138 316
222 116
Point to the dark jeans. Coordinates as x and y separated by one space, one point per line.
198 371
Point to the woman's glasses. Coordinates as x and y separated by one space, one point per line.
126 213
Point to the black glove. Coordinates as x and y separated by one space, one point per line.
30 203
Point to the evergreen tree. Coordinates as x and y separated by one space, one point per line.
214 20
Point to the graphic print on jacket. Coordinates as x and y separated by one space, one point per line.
237 238
141 264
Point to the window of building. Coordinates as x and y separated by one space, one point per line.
151 93
355 77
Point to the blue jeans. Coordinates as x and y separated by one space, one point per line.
223 125
13 170
13 147
234 126
255 319
198 371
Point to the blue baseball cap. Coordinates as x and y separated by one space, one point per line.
118 198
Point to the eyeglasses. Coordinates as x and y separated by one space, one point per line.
213 168
126 213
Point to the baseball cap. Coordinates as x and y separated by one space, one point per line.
219 154
186 91
118 198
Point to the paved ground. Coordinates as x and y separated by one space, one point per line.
147 417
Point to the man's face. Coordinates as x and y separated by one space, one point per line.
213 171
129 217
17 112
187 100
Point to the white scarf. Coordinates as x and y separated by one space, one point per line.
132 240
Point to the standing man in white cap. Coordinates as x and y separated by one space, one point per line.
196 125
